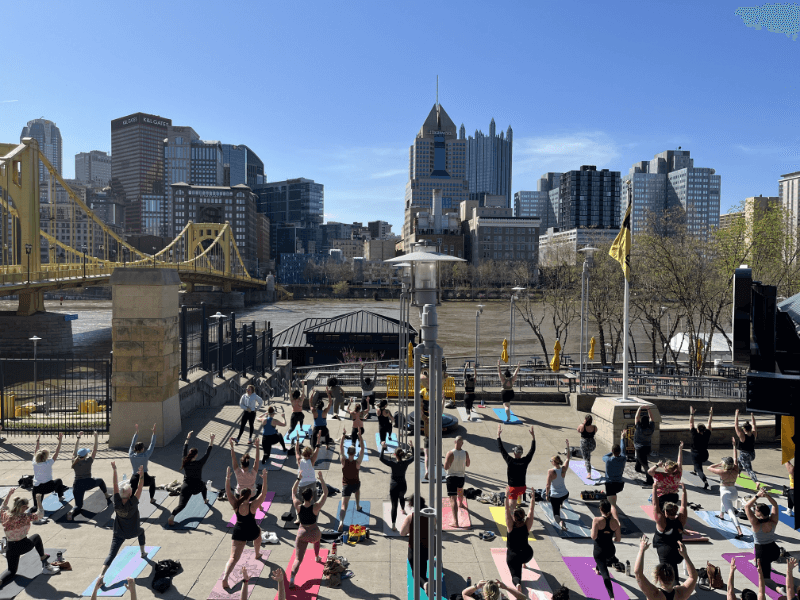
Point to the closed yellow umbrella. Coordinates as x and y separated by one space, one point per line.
591 348
555 363
410 354
699 354
504 355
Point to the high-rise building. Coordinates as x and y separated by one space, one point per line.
671 181
538 204
93 168
137 171
48 135
380 230
494 234
296 204
589 198
437 161
488 160
242 165
789 194
207 166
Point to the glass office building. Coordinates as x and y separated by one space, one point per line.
488 161
298 203
242 165
48 135
589 198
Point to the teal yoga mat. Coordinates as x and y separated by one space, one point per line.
348 443
501 414
422 594
195 511
783 515
353 516
727 529
128 563
576 528
52 504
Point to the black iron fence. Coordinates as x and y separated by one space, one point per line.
216 343
52 395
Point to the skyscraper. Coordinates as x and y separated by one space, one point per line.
295 208
589 198
789 194
48 135
137 171
242 165
538 204
93 168
488 159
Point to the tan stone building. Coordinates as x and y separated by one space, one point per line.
350 248
379 249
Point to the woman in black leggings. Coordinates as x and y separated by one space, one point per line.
384 421
605 531
82 460
17 523
469 393
192 476
397 485
518 549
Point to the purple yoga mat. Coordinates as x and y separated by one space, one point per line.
260 513
746 566
582 569
580 470
254 568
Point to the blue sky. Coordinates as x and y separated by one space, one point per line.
337 91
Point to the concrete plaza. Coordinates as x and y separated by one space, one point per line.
380 563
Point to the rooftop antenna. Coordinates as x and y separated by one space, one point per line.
437 90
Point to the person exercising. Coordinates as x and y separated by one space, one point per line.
517 469
455 464
605 531
507 386
701 435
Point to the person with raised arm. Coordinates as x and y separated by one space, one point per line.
670 523
518 548
357 414
665 576
397 482
130 585
246 529
269 434
469 392
306 458
588 444
245 470
250 402
456 462
127 524
82 460
642 442
43 482
555 488
278 576
368 389
491 589
666 483
701 435
507 381
615 468
605 531
728 471
297 418
308 532
747 435
193 483
351 480
335 396
16 524
384 421
763 520
516 468
320 416
141 458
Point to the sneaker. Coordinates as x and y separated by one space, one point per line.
50 570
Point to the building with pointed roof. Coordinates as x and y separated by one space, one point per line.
488 160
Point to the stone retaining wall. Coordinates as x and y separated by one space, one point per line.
56 334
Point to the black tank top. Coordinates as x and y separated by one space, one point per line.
469 386
518 538
605 536
749 443
669 595
673 533
384 422
586 435
306 515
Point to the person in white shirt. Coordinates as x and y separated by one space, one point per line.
249 402
43 482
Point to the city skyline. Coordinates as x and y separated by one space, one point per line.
716 106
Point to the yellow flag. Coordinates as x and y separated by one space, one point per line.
410 354
504 355
621 248
591 348
787 445
555 363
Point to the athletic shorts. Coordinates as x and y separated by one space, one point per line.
350 489
614 487
454 484
514 492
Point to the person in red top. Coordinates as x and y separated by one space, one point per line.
16 523
668 481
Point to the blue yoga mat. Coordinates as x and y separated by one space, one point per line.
422 594
194 512
303 431
391 442
52 504
727 529
501 414
783 515
348 443
576 528
353 516
128 563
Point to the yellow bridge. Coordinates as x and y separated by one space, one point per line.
203 253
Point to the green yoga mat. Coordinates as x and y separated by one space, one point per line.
744 481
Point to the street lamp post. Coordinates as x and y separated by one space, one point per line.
154 257
84 261
28 252
125 256
514 296
219 316
477 335
588 261
34 339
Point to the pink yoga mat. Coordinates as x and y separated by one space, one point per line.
689 536
387 520
309 577
582 569
254 568
746 566
533 580
260 513
447 516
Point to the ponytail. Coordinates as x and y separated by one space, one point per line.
188 458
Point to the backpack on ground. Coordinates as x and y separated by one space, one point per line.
714 577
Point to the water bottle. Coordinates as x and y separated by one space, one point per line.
333 550
469 581
628 568
59 556
208 484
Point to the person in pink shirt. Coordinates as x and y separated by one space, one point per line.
16 523
668 478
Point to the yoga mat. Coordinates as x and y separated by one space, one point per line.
591 584
30 567
533 579
695 481
254 568
422 471
501 414
194 512
447 516
689 536
628 526
276 460
746 566
353 516
324 459
260 513
145 508
499 516
308 579
579 468
387 520
727 529
52 504
128 563
4 489
476 417
422 594
575 526
783 515
744 481
95 507
391 443
348 443
303 432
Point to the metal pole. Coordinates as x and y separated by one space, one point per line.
625 343
417 469
219 346
511 331
586 317
184 349
583 303
477 321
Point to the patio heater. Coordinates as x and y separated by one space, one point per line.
425 295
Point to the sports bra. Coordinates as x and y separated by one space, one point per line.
383 421
306 515
586 435
749 443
